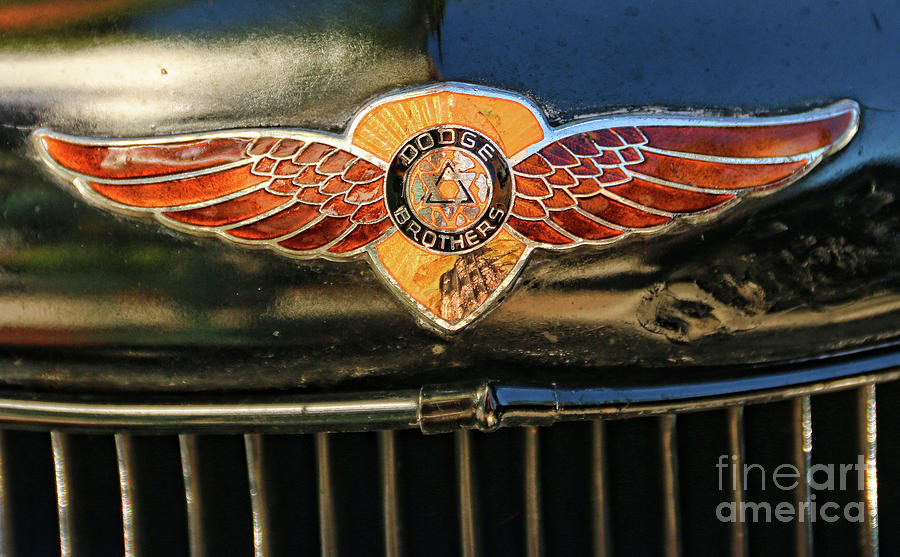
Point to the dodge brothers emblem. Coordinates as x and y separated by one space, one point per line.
447 189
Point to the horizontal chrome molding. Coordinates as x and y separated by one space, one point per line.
439 408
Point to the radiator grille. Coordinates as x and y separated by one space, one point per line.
645 485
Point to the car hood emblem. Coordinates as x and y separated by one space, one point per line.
447 189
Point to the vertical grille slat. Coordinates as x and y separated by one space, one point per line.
802 460
125 461
258 494
736 446
390 496
600 494
671 511
468 532
327 524
867 437
59 445
189 467
534 540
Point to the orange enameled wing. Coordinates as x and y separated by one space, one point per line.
300 194
595 182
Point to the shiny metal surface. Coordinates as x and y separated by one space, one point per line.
599 493
192 494
867 417
535 454
534 536
390 494
668 444
442 408
801 424
258 494
125 459
467 494
738 489
328 533
59 443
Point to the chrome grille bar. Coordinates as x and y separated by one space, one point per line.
327 520
867 422
59 444
802 460
258 496
390 495
736 446
600 494
125 461
466 494
69 485
193 500
534 543
671 515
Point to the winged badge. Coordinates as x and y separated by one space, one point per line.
447 189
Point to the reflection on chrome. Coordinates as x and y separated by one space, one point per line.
867 438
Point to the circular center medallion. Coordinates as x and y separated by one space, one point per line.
449 189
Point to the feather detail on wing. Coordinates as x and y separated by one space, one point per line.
300 193
597 181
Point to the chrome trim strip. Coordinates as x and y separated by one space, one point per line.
544 406
867 424
669 461
193 499
125 461
802 460
350 412
58 443
258 496
441 408
736 447
328 539
600 492
466 494
390 493
534 543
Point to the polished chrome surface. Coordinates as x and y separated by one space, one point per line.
441 408
59 443
868 442
668 445
802 433
466 494
540 529
125 460
192 494
599 492
390 493
258 494
328 533
447 407
534 537
738 490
